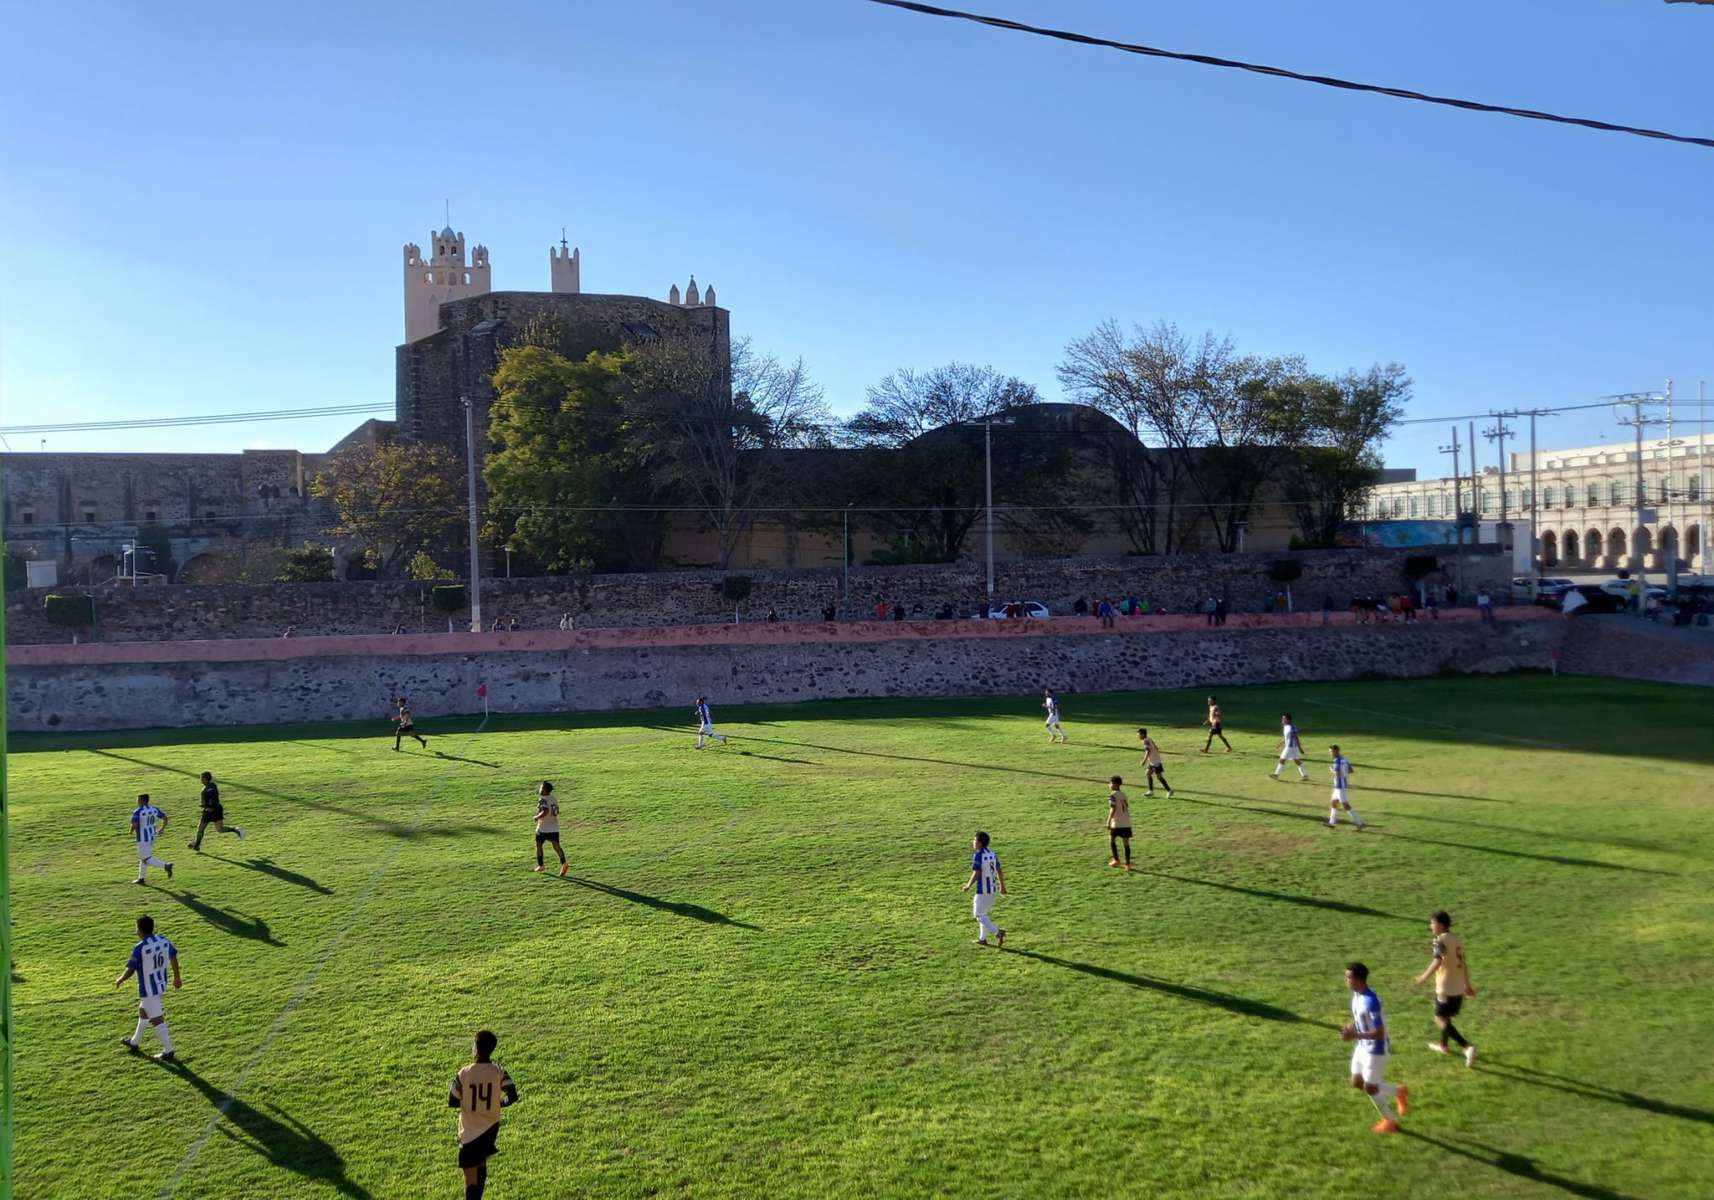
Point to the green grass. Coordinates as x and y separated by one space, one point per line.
761 981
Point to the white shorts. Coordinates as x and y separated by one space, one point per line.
707 727
1339 795
151 1006
1290 755
1368 1066
145 851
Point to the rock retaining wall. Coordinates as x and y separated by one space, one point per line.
1179 582
336 679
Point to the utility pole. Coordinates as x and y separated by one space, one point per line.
1637 421
1502 531
1457 502
1475 491
1535 505
470 496
845 587
988 458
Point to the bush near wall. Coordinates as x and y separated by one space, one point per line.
74 612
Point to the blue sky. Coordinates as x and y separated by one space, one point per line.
204 204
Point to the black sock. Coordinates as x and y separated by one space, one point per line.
1127 852
1112 846
1451 1031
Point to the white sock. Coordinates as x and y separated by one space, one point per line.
1301 773
1355 819
1333 815
1379 1100
142 1028
165 1036
1277 771
154 862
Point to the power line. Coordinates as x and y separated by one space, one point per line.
1209 60
284 414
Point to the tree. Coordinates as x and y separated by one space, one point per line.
1220 420
423 568
1344 422
393 498
925 461
707 436
308 563
558 461
154 538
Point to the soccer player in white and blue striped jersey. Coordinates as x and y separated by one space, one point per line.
1290 748
148 823
1341 768
1369 1058
150 960
1055 733
989 881
705 724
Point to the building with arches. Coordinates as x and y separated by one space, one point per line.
1586 515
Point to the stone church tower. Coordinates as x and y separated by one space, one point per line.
445 276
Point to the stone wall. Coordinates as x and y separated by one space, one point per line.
1179 583
1625 648
331 679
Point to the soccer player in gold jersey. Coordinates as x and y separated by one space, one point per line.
479 1092
1451 973
547 825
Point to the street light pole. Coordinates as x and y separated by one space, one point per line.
845 586
988 459
470 496
1457 503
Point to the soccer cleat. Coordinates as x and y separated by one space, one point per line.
1437 1047
129 1045
1112 862
1169 793
1127 866
1387 1125
1469 1056
169 870
1150 792
239 832
139 879
539 867
564 870
981 941
1401 1100
193 846
1000 942
165 1056
1331 824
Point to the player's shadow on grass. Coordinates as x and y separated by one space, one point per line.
1242 1005
1563 860
441 754
268 866
284 1141
1592 1091
254 928
392 828
797 762
939 762
678 908
1437 795
1519 1165
1338 906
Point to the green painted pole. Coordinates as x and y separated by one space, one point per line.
5 916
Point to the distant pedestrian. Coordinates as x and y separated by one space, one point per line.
773 617
512 625
1327 610
1451 596
1220 610
1431 606
1080 607
1146 607
1209 608
1485 604
828 611
291 631
880 609
1105 612
568 622
898 610
1136 605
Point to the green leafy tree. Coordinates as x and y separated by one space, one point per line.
308 563
393 498
424 567
1343 421
559 461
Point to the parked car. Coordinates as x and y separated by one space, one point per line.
1032 609
1549 590
1622 589
1597 600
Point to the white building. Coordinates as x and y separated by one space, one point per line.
1586 513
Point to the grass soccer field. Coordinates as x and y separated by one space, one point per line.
759 978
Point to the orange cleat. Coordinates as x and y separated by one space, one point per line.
1387 1126
1401 1100
1112 862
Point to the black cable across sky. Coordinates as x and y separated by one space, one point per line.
1208 60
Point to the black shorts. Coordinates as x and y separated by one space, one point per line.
407 729
1215 730
1448 1006
1123 831
480 1148
211 815
542 838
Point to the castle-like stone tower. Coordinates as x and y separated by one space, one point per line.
565 267
446 276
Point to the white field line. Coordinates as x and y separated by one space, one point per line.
322 959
